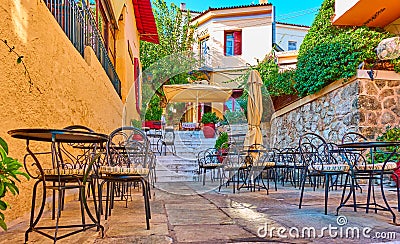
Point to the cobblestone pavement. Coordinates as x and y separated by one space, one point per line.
187 212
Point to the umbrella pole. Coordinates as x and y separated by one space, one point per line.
196 108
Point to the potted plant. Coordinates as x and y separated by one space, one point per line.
136 123
221 144
209 119
9 171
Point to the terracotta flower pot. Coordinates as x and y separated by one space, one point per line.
209 130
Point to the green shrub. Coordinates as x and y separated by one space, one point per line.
9 171
209 118
277 83
391 134
329 53
222 138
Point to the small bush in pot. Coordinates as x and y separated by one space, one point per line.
209 119
221 144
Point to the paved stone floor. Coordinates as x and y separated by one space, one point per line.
187 212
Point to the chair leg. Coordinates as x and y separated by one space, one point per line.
58 215
204 176
326 193
303 182
32 221
369 193
146 205
81 191
107 199
353 190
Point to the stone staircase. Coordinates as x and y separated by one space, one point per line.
183 166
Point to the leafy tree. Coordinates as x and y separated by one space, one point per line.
166 61
329 53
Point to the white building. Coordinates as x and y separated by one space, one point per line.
229 40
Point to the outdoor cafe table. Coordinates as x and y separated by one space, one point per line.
372 146
56 136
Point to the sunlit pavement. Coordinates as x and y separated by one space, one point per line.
188 212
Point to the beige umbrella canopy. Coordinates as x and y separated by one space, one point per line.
254 109
196 93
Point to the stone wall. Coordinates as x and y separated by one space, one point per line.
360 105
66 90
379 105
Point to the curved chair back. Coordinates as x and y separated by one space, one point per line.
353 137
128 147
313 150
230 155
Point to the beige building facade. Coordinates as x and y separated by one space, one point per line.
230 40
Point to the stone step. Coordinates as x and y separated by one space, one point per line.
178 162
181 178
176 167
179 173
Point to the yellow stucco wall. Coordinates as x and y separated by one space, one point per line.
72 92
127 33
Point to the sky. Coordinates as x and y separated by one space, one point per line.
293 12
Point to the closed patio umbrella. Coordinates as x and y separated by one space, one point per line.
254 109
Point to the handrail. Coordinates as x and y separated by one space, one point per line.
78 23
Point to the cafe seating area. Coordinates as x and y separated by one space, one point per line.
109 172
347 166
102 168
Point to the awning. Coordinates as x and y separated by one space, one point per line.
371 13
145 21
196 93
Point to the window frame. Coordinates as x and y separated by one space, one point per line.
295 45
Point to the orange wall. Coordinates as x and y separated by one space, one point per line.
72 91
127 33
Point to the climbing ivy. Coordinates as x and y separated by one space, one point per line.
329 53
276 83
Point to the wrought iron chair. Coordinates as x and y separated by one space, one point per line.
168 140
289 159
74 161
362 168
319 158
262 165
210 162
233 165
129 161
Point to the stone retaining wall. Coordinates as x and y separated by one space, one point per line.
360 105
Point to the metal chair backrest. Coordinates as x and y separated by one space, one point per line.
76 155
128 147
230 154
211 156
313 150
258 154
353 137
357 158
169 136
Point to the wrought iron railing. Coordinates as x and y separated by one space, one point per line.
78 23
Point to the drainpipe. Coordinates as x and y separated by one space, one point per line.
273 26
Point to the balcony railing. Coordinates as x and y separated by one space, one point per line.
78 23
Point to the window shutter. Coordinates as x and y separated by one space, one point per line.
225 43
237 36
136 70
